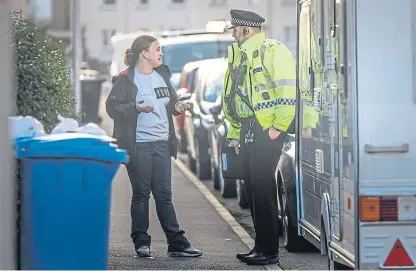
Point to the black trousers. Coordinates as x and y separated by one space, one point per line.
260 159
150 171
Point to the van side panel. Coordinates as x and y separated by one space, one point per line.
386 122
386 108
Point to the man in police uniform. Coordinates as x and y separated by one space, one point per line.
259 102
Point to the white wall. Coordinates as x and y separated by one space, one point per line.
7 187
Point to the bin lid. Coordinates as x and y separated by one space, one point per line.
71 145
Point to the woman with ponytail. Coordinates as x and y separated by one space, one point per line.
142 103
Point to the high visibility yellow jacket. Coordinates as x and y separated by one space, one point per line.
264 71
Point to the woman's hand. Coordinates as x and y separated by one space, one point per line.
182 106
143 108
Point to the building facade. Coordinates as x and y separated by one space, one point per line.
104 18
101 19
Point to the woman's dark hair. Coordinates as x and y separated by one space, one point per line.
140 44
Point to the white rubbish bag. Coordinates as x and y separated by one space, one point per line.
20 126
94 129
66 125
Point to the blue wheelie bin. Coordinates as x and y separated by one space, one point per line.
66 198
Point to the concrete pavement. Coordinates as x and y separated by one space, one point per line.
207 224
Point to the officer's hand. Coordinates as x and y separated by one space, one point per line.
307 132
182 106
235 143
273 133
143 108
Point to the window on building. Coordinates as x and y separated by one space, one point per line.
177 1
143 2
105 36
289 2
109 2
218 2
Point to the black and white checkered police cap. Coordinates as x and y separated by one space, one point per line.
245 18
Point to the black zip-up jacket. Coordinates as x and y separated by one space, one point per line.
121 107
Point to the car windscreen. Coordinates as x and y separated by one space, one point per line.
214 85
177 55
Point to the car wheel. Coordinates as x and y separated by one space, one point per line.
182 143
215 172
291 240
191 164
203 161
227 186
241 194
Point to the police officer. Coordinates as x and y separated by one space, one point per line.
259 102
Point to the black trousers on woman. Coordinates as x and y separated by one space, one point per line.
150 171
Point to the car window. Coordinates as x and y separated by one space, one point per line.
174 80
177 55
214 84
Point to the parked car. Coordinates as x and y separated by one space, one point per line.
178 47
209 83
186 85
182 49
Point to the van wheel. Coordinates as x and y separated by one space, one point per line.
291 240
241 194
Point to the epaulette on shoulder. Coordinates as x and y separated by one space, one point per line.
122 73
271 43
125 72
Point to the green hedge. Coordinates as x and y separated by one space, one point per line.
43 81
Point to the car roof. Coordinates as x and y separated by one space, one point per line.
181 39
205 62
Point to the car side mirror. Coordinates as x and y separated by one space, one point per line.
215 109
184 96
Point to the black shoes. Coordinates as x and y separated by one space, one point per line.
255 258
187 252
261 259
242 256
143 251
